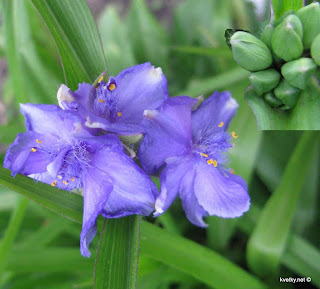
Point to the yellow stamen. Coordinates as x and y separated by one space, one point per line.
59 177
204 155
232 171
215 163
112 87
33 150
221 124
210 162
38 141
234 135
119 114
53 184
72 179
101 100
65 182
100 79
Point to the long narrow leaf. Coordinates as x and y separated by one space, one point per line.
281 6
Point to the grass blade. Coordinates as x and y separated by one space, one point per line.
117 257
281 6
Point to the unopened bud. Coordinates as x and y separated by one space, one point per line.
286 39
264 81
298 72
315 50
266 35
310 19
270 98
250 52
287 94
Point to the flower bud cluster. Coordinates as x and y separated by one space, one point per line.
285 57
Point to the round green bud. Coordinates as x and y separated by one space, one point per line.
287 94
266 35
264 81
298 72
315 50
270 98
286 39
310 19
250 52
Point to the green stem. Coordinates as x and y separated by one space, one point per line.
118 253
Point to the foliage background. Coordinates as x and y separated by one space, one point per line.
40 249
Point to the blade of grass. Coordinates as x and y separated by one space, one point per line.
117 257
268 241
281 6
76 35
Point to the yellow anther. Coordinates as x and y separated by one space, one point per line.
210 162
119 114
231 171
221 124
112 86
33 150
215 163
59 177
72 179
100 79
38 141
204 155
53 184
65 182
234 135
101 100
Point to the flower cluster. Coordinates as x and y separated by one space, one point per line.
76 145
283 60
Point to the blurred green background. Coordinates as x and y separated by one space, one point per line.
278 237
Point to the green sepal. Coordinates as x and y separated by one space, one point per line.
315 50
287 94
250 52
270 98
286 42
298 72
310 19
264 81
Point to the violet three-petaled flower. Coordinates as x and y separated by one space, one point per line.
58 150
117 105
190 146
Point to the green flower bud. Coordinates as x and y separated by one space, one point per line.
286 39
270 98
287 94
310 19
266 35
264 81
250 52
298 72
315 50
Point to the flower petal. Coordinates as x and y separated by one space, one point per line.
193 210
168 133
97 186
219 108
219 194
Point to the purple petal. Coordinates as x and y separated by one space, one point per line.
193 210
219 107
170 181
97 186
139 88
168 133
219 194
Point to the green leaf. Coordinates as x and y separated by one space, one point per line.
281 6
267 243
12 231
76 35
117 256
304 116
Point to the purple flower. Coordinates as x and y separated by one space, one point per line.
57 150
117 106
190 147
